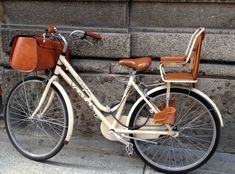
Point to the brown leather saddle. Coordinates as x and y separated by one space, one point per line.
138 64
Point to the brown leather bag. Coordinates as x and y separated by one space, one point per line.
31 53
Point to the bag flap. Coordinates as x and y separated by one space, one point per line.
24 56
16 37
48 43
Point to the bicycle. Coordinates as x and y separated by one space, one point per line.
172 129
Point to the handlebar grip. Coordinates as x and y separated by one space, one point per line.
95 36
51 29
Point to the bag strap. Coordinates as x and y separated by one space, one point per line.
14 39
53 41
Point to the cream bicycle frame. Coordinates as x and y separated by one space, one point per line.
85 93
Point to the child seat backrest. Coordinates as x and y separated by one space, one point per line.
193 52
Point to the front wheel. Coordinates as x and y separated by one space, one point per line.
42 136
197 124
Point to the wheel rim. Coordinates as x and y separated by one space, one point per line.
197 136
39 136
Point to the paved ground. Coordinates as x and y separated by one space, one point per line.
93 155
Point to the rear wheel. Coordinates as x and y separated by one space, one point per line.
42 136
197 124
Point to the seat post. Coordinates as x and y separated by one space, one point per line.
132 72
168 91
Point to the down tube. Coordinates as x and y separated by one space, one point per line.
83 85
84 97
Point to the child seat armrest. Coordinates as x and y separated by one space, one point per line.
177 61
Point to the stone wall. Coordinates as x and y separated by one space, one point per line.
1 68
133 28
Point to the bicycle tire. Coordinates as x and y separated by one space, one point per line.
172 155
41 137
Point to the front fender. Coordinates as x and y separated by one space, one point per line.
164 87
70 111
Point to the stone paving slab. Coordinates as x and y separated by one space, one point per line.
220 163
84 157
94 155
216 47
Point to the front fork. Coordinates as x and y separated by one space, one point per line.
43 98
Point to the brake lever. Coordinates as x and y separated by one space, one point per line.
87 41
44 37
77 33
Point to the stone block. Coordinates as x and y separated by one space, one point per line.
225 71
1 13
116 68
91 65
158 44
221 91
182 15
112 45
219 47
107 88
71 13
8 34
216 47
9 79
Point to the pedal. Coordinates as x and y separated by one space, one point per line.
129 149
129 146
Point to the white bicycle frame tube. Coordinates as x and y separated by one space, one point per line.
49 102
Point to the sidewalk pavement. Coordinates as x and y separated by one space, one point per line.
94 155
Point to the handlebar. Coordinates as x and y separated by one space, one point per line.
52 30
93 35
